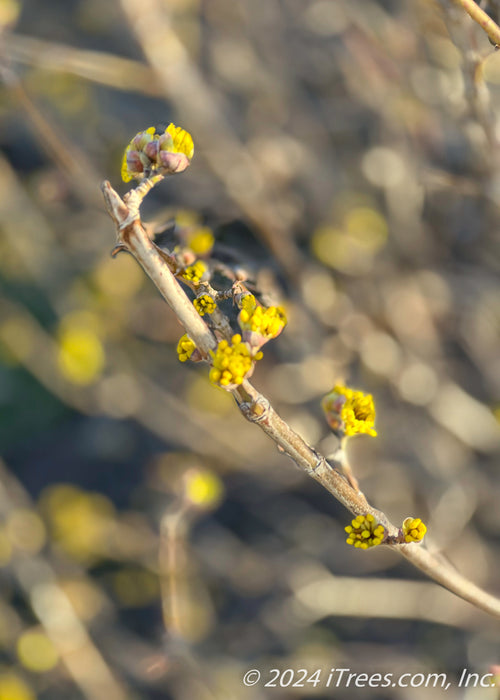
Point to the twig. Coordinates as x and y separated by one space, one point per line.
172 547
133 237
100 67
484 20
257 409
185 85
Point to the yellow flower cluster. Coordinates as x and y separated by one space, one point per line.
350 411
364 532
194 273
267 322
231 363
185 348
168 152
204 304
414 530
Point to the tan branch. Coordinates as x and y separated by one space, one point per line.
133 237
257 409
484 20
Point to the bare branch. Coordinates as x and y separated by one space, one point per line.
484 20
257 409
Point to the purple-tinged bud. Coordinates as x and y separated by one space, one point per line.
172 162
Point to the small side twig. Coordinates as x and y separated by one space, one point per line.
483 19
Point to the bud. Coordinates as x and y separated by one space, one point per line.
165 153
258 323
349 412
413 530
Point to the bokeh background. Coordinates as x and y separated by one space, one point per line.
153 544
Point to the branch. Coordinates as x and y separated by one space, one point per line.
257 409
484 20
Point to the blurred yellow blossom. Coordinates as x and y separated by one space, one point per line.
352 245
364 532
81 521
12 687
203 488
81 355
36 652
9 12
200 240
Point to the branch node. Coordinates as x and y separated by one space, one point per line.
118 249
321 463
256 411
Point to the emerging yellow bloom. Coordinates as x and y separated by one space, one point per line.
349 411
182 141
167 152
231 363
185 348
364 532
259 323
414 530
204 304
194 273
248 303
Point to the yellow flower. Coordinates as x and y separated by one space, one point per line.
349 411
204 304
185 348
194 273
152 150
414 530
259 323
182 141
231 363
364 532
248 303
